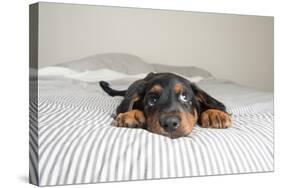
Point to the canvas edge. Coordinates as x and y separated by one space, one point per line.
33 94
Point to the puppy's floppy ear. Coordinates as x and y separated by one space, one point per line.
205 100
134 94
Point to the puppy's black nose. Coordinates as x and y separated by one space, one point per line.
170 123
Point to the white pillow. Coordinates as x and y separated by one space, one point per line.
119 62
97 75
56 71
103 74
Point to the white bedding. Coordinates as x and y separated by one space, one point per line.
78 144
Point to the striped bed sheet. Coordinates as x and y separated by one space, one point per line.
77 144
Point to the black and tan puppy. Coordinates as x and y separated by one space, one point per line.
167 104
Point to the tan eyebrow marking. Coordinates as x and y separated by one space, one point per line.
178 88
156 89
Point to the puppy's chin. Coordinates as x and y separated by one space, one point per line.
172 135
175 135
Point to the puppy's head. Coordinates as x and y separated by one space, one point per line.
170 105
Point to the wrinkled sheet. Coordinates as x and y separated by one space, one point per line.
78 144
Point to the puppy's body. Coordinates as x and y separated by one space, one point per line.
167 104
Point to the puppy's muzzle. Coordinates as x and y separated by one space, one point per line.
170 123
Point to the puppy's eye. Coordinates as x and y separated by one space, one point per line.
152 100
183 98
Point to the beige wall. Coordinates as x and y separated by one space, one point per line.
235 47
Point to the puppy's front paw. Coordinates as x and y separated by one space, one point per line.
131 119
215 119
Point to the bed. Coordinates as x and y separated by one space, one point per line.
78 144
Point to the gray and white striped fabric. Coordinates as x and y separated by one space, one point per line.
78 144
